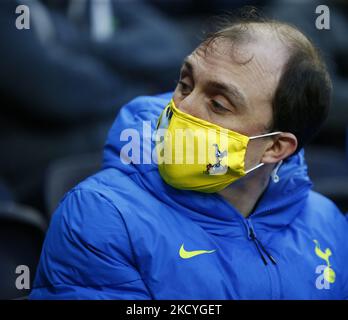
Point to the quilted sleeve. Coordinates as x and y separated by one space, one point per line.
87 253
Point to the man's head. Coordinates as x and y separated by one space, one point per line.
256 76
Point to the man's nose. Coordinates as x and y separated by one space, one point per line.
190 105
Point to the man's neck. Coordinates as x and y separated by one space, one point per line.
245 193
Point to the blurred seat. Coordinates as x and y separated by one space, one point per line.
65 173
5 192
22 232
328 169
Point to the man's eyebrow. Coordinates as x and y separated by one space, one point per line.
186 64
232 91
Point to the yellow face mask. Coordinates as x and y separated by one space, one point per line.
194 154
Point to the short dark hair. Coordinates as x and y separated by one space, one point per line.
302 98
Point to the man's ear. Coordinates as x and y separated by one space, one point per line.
280 147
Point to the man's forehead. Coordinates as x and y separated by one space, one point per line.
202 58
264 48
217 50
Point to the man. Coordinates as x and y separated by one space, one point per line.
242 224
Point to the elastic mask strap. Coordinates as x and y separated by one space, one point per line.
252 169
265 135
261 136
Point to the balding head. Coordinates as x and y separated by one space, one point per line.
301 95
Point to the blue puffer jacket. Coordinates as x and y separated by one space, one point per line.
123 234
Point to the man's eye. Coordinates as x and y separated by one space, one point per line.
217 107
184 87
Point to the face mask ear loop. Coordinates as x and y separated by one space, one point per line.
274 173
261 136
265 135
252 169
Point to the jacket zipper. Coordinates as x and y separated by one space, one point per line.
272 272
259 246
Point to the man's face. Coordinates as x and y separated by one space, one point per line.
233 90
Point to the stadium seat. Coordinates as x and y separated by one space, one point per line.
22 232
65 173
